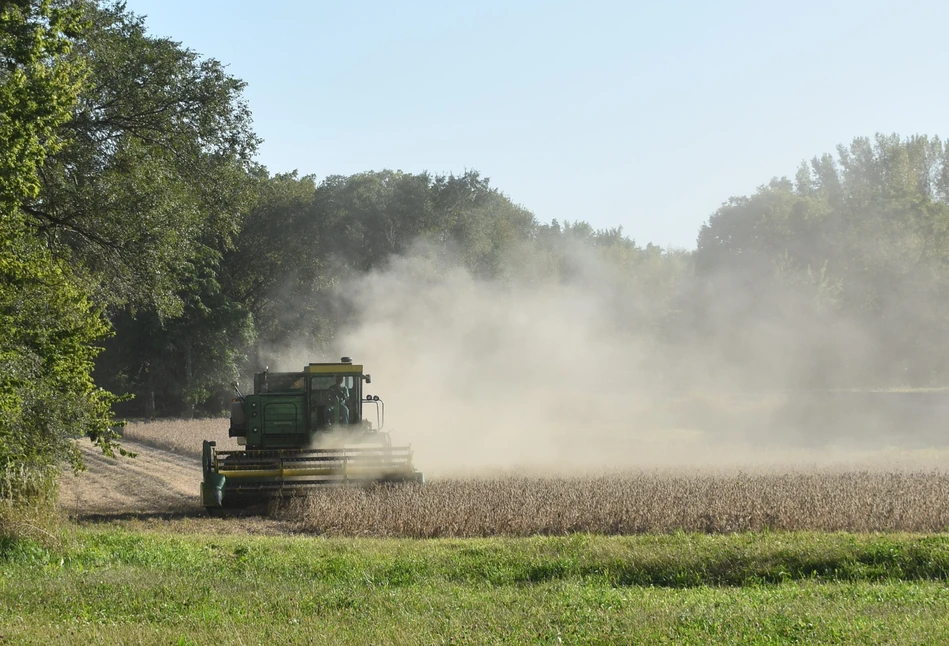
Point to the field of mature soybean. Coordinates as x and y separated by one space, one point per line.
634 503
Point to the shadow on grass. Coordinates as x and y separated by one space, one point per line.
180 513
108 517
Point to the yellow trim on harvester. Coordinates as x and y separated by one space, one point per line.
333 368
317 471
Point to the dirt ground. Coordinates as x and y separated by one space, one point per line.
154 481
158 489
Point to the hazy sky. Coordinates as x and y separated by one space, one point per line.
641 115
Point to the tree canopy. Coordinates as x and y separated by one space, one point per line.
154 164
47 320
858 241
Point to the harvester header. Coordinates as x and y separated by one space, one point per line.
316 427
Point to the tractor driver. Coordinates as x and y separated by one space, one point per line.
339 395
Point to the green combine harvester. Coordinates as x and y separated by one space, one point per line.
301 430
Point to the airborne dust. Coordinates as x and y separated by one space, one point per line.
526 374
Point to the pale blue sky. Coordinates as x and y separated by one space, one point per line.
647 115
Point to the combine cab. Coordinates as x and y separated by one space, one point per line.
300 430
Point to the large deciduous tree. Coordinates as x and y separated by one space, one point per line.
845 271
182 365
155 162
145 195
302 240
47 320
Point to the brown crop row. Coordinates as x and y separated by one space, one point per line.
632 504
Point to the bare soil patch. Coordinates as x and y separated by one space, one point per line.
155 481
159 489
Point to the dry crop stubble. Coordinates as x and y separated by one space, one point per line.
634 503
164 477
179 435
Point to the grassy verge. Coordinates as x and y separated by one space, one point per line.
117 586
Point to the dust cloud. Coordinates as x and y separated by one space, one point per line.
578 375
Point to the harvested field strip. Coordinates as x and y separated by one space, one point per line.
156 481
178 435
635 503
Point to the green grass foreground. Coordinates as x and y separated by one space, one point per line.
124 587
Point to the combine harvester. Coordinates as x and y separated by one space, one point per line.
302 430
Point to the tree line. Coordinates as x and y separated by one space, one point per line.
147 260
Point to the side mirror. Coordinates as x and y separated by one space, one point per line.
368 379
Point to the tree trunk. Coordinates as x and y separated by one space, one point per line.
149 394
187 400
